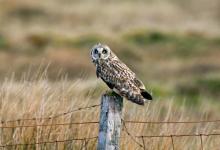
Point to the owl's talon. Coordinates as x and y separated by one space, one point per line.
111 93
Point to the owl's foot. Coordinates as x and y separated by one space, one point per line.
111 93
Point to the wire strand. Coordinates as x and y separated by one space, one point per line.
171 122
55 124
130 135
47 142
52 117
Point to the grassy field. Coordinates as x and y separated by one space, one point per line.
42 98
45 69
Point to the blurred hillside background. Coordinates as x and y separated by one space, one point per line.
172 45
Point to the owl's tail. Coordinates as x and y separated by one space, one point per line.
141 98
146 95
138 98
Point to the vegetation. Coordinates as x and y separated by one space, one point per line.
41 98
45 68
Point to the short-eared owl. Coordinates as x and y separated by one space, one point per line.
117 75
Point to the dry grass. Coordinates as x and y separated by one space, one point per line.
173 46
39 97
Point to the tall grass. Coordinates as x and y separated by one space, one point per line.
170 44
39 98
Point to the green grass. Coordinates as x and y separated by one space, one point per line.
176 45
27 14
3 42
86 41
197 89
145 37
209 85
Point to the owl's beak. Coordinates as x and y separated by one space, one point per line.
99 55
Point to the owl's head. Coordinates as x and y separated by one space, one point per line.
100 52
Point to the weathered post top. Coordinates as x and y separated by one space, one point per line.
110 121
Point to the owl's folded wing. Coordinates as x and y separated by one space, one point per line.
121 70
139 83
141 86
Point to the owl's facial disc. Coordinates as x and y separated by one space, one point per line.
104 53
100 52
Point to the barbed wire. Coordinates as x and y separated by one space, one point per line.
129 134
201 142
96 105
124 122
49 142
86 140
172 142
133 137
52 117
54 124
171 122
96 122
143 141
177 135
171 136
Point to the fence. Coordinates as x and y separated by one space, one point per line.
84 141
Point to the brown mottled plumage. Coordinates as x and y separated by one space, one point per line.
117 75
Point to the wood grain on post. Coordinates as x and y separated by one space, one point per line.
110 122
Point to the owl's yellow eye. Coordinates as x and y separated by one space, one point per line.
96 51
104 51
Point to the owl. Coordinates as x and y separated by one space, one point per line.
117 75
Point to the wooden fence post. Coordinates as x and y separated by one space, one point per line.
110 122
